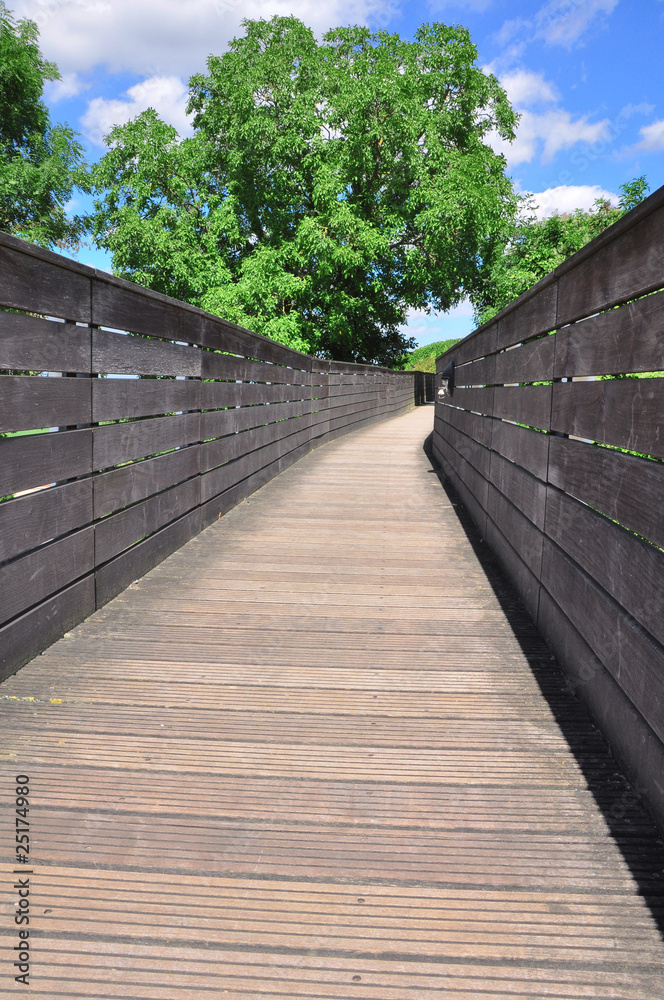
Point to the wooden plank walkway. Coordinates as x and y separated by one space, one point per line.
320 752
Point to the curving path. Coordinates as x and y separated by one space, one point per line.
320 752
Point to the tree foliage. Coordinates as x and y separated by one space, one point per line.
539 246
38 160
326 188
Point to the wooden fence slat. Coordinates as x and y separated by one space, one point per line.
523 580
220 335
28 343
628 339
472 424
630 656
355 392
39 459
626 413
476 373
116 304
118 398
223 502
124 529
131 483
531 362
478 345
336 412
477 400
470 449
335 402
31 520
535 314
26 636
216 423
222 478
473 496
228 366
339 409
32 402
122 354
628 266
627 489
117 574
525 447
632 740
32 578
223 394
474 482
519 530
123 442
630 570
41 282
227 449
357 419
526 404
523 490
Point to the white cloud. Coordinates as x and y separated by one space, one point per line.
163 37
560 131
652 137
166 94
525 88
543 132
568 197
562 22
549 132
69 85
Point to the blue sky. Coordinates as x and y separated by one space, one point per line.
586 75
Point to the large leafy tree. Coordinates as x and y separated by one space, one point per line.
38 160
540 245
326 188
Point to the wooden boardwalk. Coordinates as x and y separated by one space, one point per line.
320 752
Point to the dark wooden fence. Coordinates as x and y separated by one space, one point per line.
103 473
558 458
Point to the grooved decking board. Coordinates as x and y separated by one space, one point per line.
320 751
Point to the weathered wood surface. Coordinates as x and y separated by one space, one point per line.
320 751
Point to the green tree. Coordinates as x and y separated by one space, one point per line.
38 160
326 188
539 246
